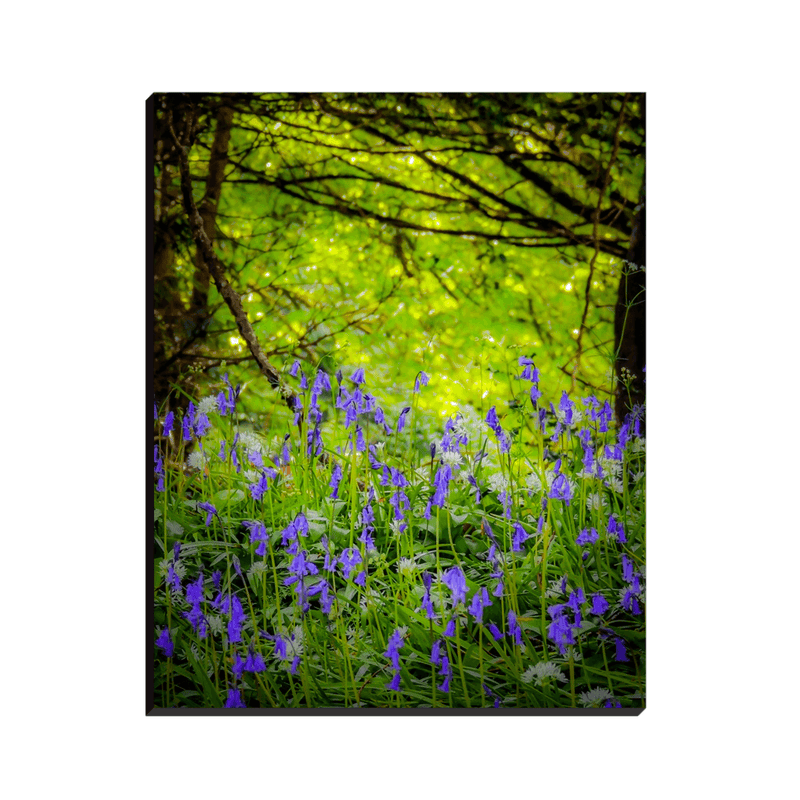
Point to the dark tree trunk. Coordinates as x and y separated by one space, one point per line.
629 321
181 311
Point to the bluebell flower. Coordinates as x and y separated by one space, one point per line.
630 603
336 477
450 628
237 668
587 537
234 699
456 581
605 416
349 559
480 600
401 420
165 642
599 604
173 579
393 648
497 635
254 663
560 631
492 696
627 569
427 604
620 654
514 629
258 533
210 511
616 529
422 380
294 368
445 669
519 538
560 490
236 621
358 377
168 422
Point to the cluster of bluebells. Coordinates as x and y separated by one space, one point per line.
493 422
393 653
440 659
604 461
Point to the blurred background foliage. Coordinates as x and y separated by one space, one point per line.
400 232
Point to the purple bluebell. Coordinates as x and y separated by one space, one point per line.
234 699
165 642
599 604
480 600
349 559
401 420
255 662
620 654
456 581
587 536
422 380
514 629
336 477
210 511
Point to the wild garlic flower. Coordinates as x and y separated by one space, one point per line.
637 446
451 457
250 441
594 697
207 405
406 566
615 484
197 459
542 671
497 482
595 502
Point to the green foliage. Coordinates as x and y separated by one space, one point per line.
412 231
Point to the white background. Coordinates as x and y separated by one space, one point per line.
722 423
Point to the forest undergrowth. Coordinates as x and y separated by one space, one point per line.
351 559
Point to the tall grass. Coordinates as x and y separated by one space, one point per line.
346 564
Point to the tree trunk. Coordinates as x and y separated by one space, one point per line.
629 321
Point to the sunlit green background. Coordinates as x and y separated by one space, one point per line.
450 233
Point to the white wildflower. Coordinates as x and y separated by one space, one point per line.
543 671
250 441
534 482
207 405
451 457
175 528
595 696
216 623
406 566
638 446
497 482
197 459
595 502
615 484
